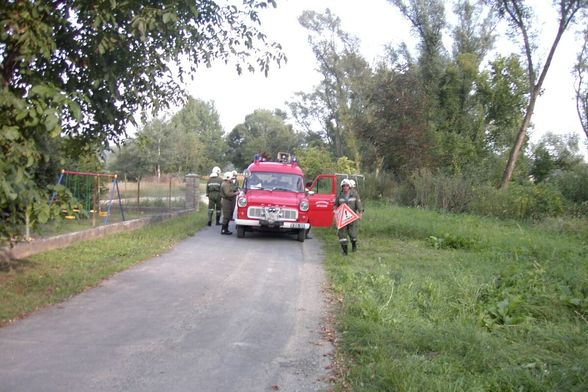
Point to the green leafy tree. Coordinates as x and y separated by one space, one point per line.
263 132
520 17
315 160
197 137
460 139
336 101
154 143
503 93
554 153
453 114
428 21
474 31
459 130
581 83
394 127
83 69
129 161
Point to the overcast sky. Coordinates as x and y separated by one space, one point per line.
375 23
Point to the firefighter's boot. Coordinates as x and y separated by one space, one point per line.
218 218
225 229
353 246
344 247
209 217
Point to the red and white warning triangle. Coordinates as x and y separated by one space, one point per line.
344 215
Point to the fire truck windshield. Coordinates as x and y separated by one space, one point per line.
275 182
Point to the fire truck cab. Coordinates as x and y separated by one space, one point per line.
274 198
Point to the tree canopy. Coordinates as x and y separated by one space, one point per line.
264 132
191 141
81 70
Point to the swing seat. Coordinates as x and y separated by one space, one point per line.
103 213
70 217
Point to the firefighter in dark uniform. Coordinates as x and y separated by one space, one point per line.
213 193
235 185
351 198
228 196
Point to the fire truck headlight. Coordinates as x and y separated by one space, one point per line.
242 202
304 205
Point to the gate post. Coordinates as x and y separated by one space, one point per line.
192 192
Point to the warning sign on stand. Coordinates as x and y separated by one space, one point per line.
344 215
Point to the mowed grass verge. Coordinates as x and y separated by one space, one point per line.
441 302
51 277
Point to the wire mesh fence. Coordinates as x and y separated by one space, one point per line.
98 200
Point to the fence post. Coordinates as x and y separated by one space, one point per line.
192 192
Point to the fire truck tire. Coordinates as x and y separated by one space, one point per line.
301 235
240 231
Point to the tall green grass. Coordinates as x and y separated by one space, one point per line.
51 277
442 302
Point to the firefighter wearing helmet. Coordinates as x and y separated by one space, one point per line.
351 198
228 196
213 187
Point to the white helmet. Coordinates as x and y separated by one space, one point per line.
213 174
216 170
234 173
345 182
228 176
352 183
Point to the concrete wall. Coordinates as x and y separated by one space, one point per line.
25 249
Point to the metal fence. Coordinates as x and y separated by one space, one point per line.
104 199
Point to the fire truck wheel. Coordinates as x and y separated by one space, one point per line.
240 231
301 235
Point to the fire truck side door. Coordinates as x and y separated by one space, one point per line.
322 200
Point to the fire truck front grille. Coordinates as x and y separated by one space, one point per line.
272 213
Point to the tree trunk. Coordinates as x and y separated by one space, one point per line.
516 148
567 10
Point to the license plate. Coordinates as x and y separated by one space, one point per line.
297 225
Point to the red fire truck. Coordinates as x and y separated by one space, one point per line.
274 198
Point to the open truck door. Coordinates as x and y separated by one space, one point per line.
321 200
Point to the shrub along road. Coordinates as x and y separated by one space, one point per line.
213 313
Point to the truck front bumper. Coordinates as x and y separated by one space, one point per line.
274 224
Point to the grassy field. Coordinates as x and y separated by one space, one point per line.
431 302
439 302
51 277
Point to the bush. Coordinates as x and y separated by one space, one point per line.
381 187
519 202
573 184
440 192
459 194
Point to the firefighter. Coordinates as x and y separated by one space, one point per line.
228 196
213 193
235 187
347 196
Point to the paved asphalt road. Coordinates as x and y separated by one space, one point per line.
215 313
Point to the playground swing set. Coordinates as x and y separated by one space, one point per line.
85 188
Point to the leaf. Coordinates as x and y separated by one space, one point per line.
10 133
75 109
52 124
8 190
40 89
169 17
